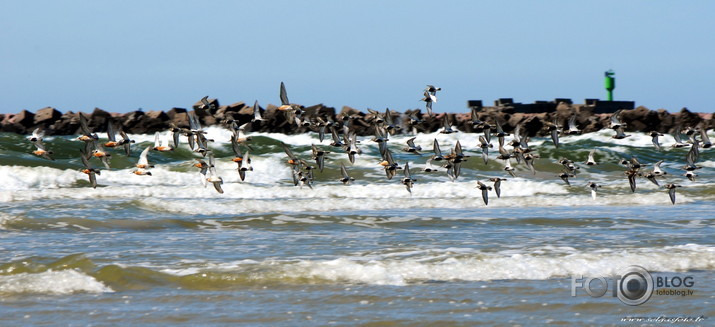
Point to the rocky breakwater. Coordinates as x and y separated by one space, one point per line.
274 120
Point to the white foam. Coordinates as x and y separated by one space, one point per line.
473 265
51 282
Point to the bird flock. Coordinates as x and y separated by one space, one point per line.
344 139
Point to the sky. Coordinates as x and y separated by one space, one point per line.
155 55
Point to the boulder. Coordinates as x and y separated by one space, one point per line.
133 122
178 117
67 124
635 119
98 120
24 118
686 118
46 117
174 111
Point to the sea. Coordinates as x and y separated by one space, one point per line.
164 250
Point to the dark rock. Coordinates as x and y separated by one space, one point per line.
98 120
174 111
46 117
24 118
133 122
686 118
21 123
67 124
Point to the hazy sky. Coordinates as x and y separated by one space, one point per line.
124 55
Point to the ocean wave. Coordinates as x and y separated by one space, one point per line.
450 266
51 282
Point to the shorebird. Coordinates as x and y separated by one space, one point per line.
89 170
428 102
484 145
41 151
654 138
390 124
245 165
380 135
497 185
437 152
292 159
99 152
322 127
163 144
142 164
206 105
430 96
705 139
591 161
213 177
377 117
111 136
411 147
657 171
529 160
620 133
238 157
632 174
508 168
352 149
336 139
565 177
651 177
203 170
292 112
477 124
239 134
176 132
485 191
431 89
573 129
568 164
408 181
691 158
671 191
455 159
554 129
594 188
616 120
87 137
37 135
346 179
446 126
257 113
413 121
503 154
500 134
388 163
319 156
678 140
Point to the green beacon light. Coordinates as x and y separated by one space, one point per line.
610 83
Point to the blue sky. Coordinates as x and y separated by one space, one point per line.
155 55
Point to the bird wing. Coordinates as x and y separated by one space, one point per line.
436 149
143 160
284 95
111 134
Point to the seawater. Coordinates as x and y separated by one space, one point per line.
162 249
